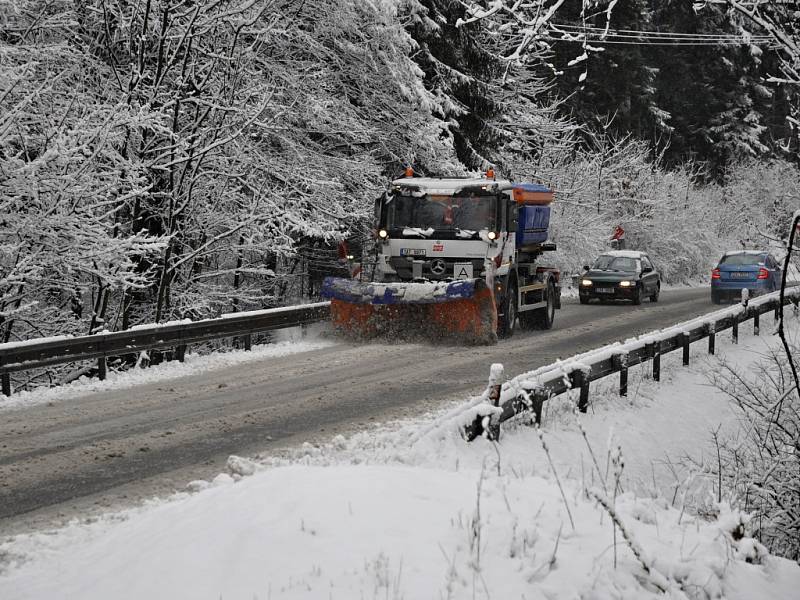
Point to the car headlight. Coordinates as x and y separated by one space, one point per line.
586 282
625 283
492 235
383 234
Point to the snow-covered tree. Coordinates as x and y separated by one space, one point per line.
209 142
781 21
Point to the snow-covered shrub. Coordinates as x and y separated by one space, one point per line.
668 214
760 470
684 223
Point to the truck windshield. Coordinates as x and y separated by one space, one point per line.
469 212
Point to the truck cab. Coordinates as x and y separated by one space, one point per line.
442 229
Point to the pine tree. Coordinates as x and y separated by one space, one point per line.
458 69
619 84
714 94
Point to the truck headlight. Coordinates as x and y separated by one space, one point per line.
383 234
625 283
492 235
586 282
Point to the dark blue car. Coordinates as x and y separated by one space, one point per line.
755 270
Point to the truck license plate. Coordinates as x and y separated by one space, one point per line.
412 251
605 290
462 270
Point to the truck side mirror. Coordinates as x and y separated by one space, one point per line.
585 267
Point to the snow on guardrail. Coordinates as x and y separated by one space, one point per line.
480 414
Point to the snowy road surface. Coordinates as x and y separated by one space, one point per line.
109 448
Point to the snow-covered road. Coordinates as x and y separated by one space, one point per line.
73 450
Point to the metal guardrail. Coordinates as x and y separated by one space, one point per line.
31 354
529 392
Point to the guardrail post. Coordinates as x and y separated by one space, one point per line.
685 341
5 378
538 397
581 381
248 342
180 352
756 324
649 350
620 362
735 329
102 368
711 335
777 314
657 361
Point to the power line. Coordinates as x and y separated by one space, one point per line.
636 32
649 42
577 33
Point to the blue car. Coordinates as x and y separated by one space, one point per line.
755 270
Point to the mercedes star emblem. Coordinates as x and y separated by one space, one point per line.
438 267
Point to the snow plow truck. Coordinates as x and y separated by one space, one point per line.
457 258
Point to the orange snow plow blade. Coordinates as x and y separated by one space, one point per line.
462 311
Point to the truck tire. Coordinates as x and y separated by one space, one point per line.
543 317
654 296
508 322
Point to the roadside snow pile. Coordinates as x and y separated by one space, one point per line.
351 531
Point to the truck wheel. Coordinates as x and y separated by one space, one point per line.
584 299
543 318
507 323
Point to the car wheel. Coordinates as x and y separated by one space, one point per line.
638 294
654 296
508 322
715 298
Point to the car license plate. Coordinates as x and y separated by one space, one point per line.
462 270
412 251
740 275
605 290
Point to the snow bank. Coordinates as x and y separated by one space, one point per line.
352 531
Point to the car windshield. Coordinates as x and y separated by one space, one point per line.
469 212
743 259
615 263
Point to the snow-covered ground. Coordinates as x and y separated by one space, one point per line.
410 510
